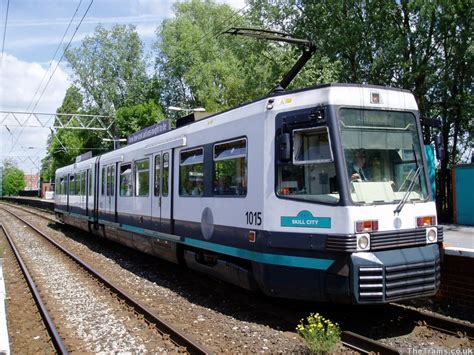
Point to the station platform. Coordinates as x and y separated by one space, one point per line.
4 342
458 240
31 201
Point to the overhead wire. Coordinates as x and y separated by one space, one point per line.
54 55
4 33
56 67
62 56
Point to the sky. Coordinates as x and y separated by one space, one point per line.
30 39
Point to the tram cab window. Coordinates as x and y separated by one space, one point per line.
311 174
191 173
126 186
230 168
142 177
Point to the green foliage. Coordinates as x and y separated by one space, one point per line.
110 69
320 334
131 119
13 179
199 66
110 74
422 46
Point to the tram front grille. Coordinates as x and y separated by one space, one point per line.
371 284
412 279
390 283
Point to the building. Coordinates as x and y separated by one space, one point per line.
32 182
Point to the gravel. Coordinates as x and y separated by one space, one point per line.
86 317
218 315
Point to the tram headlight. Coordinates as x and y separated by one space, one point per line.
431 235
363 242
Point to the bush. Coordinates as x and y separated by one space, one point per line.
320 334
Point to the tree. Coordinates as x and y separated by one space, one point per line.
422 46
200 66
13 178
131 119
110 69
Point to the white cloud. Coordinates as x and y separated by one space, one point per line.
161 8
19 81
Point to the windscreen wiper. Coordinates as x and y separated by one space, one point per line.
412 183
409 190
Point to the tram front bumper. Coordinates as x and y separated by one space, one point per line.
392 275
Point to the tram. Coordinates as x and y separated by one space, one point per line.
319 194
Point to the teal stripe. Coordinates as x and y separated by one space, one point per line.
80 216
133 229
273 259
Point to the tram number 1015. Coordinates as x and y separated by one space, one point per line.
254 218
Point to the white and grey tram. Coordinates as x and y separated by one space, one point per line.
264 196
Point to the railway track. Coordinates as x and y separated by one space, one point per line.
353 338
434 321
48 322
32 210
176 336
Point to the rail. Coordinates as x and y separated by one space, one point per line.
56 339
176 336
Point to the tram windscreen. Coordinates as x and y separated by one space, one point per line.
383 156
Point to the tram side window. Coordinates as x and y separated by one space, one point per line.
77 180
62 187
104 175
78 183
166 172
191 173
90 186
110 180
142 177
311 175
157 175
83 183
57 187
126 186
72 185
230 168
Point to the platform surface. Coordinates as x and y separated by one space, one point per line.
459 240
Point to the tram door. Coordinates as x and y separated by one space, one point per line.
161 199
